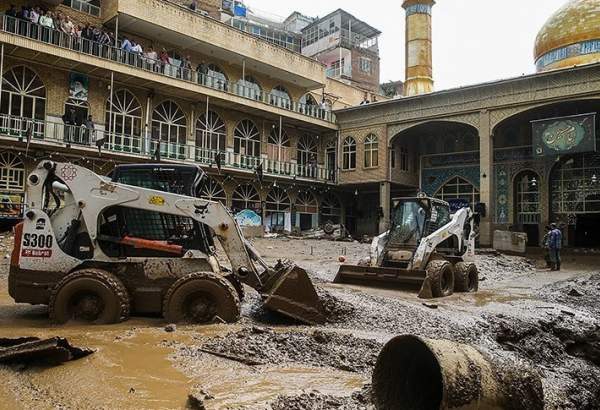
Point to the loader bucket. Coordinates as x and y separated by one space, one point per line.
385 277
290 292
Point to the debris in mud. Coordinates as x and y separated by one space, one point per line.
170 328
319 348
197 397
32 350
336 310
317 401
494 266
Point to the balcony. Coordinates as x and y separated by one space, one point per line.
54 134
175 24
107 52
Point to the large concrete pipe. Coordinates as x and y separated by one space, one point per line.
420 374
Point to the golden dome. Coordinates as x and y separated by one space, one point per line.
570 37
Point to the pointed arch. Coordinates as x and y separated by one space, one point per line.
349 153
371 150
458 188
278 147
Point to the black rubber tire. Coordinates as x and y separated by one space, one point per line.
98 285
237 284
466 277
201 297
441 274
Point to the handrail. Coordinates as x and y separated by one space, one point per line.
109 52
35 130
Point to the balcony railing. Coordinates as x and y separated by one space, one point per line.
83 6
109 52
32 130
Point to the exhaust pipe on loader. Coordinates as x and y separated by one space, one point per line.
416 373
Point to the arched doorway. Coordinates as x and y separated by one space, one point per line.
246 139
169 129
278 208
23 102
331 159
331 209
527 205
211 134
575 198
124 122
307 209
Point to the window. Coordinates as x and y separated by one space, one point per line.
404 159
124 119
306 203
213 191
169 129
307 150
528 198
336 68
246 196
246 139
349 153
23 99
278 200
331 159
366 65
12 172
371 151
210 132
459 188
278 148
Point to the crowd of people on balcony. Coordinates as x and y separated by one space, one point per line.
99 41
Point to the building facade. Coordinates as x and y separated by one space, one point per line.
212 95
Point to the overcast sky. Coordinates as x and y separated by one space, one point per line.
473 40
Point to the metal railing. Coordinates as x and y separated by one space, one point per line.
34 130
110 52
83 6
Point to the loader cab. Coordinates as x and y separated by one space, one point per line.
415 218
173 231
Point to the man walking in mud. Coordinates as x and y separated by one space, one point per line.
554 244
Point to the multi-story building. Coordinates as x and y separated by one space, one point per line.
347 46
212 95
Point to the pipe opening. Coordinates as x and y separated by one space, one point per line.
407 376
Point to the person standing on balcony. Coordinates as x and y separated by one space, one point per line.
34 15
12 11
47 25
164 59
89 130
151 58
194 5
24 13
136 48
69 119
186 67
202 71
126 45
67 26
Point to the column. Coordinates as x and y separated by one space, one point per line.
486 161
385 202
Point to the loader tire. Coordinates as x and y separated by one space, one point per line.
94 296
201 297
237 284
441 274
466 277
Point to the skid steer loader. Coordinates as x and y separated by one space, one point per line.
95 249
426 247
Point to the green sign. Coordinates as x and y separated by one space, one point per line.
564 135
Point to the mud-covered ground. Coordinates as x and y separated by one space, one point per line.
546 322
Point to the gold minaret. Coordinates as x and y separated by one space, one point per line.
419 66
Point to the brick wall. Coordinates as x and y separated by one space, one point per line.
362 174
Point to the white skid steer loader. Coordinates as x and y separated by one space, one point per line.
426 247
94 250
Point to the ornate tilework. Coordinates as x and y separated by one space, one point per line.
434 179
